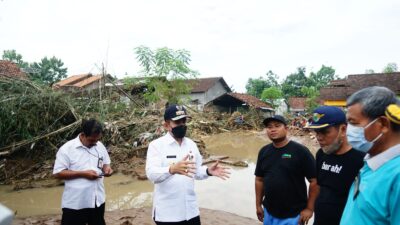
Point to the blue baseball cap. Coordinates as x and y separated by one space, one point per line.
325 116
175 112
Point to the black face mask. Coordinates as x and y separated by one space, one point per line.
179 131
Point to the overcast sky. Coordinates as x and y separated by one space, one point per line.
229 38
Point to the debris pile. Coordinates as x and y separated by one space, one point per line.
36 121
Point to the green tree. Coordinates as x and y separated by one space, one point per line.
291 86
13 56
322 78
312 94
167 71
390 68
369 71
48 70
272 95
272 79
255 87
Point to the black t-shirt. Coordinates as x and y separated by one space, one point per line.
284 171
335 174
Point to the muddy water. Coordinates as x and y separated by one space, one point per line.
122 193
235 195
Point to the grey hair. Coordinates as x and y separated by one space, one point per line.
373 100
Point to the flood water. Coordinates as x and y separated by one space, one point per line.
235 195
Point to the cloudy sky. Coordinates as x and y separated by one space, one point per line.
229 38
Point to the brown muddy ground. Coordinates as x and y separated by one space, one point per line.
143 216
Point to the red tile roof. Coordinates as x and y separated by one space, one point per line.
250 100
78 81
297 103
342 89
72 80
88 81
203 84
10 69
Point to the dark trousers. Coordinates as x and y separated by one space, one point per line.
90 216
193 221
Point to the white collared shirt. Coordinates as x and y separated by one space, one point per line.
81 193
174 198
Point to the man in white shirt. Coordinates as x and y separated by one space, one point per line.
82 163
173 162
6 215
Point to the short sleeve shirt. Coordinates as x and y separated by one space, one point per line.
335 174
284 171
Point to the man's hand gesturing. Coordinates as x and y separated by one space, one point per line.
183 167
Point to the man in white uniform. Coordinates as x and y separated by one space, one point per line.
173 162
82 163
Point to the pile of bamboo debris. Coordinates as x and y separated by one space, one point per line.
36 120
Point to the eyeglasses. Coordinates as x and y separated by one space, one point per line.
357 186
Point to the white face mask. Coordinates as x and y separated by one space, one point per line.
356 137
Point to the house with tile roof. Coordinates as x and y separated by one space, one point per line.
205 90
297 104
11 70
81 82
336 93
231 102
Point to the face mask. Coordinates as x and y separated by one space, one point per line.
179 131
356 137
334 147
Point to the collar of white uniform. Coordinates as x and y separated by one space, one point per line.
377 161
78 143
170 139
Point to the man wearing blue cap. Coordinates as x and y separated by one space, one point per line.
337 164
281 170
173 162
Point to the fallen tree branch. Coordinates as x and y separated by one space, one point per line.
8 150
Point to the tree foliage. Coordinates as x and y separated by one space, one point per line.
48 70
312 94
272 95
369 71
255 87
322 78
13 56
166 71
390 68
293 83
297 84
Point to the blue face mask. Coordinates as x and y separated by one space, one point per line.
356 137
